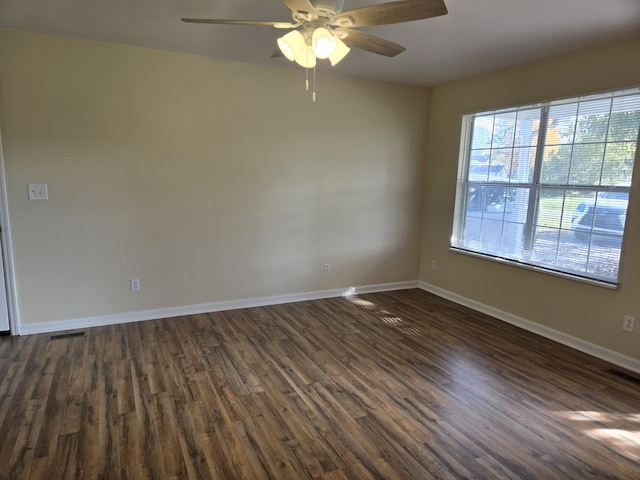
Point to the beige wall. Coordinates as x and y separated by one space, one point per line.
208 180
588 312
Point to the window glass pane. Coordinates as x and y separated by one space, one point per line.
609 213
618 164
556 162
500 164
593 121
555 208
624 123
482 130
504 130
562 124
479 165
527 126
603 258
586 164
522 164
545 248
491 234
595 106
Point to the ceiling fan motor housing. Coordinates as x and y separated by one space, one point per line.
327 8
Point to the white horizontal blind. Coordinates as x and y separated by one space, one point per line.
547 185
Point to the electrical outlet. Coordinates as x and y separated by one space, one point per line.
134 285
628 324
327 268
38 191
434 265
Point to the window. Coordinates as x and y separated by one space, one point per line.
547 186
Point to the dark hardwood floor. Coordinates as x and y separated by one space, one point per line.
387 386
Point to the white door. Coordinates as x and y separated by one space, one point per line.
4 310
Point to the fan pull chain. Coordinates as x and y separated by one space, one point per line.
314 84
306 80
307 72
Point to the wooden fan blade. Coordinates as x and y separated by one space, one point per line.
303 6
278 53
239 22
392 12
371 43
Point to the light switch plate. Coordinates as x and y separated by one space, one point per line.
38 191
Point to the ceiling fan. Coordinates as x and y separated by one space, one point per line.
322 30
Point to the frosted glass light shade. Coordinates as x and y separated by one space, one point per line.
339 52
291 43
323 41
305 57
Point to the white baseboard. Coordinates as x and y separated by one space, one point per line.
590 348
616 358
79 323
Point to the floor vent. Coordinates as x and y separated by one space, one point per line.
66 335
625 376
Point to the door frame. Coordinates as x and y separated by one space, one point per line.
7 250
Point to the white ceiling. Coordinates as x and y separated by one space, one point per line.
476 36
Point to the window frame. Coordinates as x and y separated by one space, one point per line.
534 187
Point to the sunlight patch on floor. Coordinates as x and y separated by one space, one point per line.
626 442
619 430
391 320
386 317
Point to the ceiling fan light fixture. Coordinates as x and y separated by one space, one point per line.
339 52
323 42
291 43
